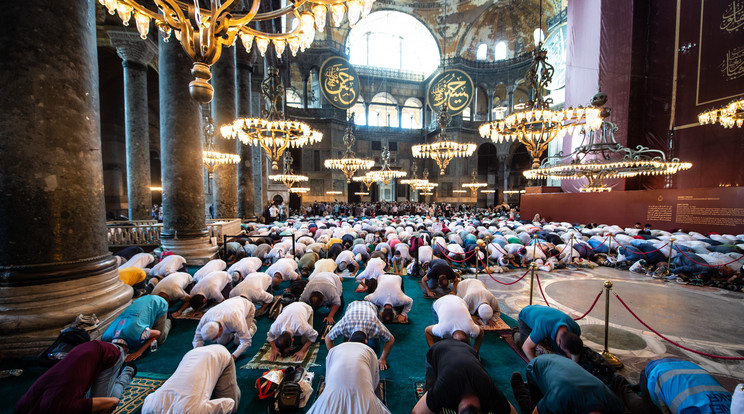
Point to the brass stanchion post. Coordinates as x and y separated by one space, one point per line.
611 359
477 250
671 251
533 268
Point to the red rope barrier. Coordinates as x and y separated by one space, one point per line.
705 264
589 246
672 342
455 260
541 290
498 281
592 307
634 252
555 255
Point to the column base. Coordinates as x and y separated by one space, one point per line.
196 251
40 300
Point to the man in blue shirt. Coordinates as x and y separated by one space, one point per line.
539 323
558 385
682 387
140 323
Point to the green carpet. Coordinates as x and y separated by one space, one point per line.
406 361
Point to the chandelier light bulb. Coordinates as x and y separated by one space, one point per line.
262 44
337 14
125 13
319 13
143 24
279 45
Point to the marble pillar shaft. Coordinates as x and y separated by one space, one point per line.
243 102
54 257
181 142
138 140
223 112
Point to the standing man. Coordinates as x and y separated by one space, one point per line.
539 323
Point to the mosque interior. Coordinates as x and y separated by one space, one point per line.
104 122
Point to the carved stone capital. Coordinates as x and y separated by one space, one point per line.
131 48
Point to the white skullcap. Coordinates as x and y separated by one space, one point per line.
485 312
210 330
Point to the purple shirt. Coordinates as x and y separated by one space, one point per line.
63 387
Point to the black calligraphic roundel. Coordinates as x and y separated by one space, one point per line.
339 82
452 86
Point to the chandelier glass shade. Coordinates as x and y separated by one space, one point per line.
349 164
474 185
203 31
272 132
211 158
600 157
443 150
729 116
288 178
300 190
385 174
414 182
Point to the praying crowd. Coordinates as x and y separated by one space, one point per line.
293 272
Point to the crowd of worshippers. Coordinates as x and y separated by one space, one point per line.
312 256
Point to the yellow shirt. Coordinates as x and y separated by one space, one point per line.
333 241
131 275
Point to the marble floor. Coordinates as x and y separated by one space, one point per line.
704 319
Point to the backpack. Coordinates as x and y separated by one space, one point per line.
596 365
65 342
280 303
289 394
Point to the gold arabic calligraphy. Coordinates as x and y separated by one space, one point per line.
452 88
733 17
339 84
733 66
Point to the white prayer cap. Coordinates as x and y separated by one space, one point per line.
485 312
210 330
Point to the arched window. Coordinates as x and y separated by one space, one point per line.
293 99
482 52
360 117
411 116
394 40
500 52
383 111
538 36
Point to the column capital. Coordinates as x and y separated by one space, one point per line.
131 48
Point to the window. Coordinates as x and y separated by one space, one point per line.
316 160
466 114
445 189
383 111
393 146
394 40
293 99
500 52
360 117
411 114
481 52
376 146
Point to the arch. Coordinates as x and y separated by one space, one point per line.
383 111
500 51
481 53
488 162
412 114
395 40
359 111
277 198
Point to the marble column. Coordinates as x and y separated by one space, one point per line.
243 106
181 141
54 258
223 112
136 54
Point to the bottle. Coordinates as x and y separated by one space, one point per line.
153 346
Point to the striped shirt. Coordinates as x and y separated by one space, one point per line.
360 316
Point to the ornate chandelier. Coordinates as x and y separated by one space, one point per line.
203 31
349 164
601 157
728 116
536 125
272 132
415 182
210 157
288 178
300 190
474 185
366 179
385 174
443 150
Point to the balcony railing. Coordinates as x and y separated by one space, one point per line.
147 232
